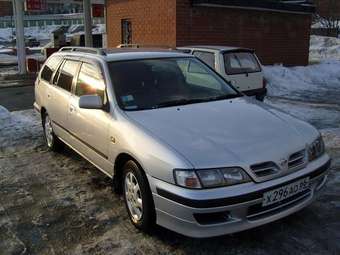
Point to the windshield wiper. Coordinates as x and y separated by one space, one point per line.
185 101
179 102
223 97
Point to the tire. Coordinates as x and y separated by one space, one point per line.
52 141
141 213
260 97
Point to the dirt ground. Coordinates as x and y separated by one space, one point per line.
60 204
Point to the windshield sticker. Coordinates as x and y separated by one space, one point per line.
131 107
127 98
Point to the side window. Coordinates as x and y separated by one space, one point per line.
206 57
198 75
49 68
90 81
66 74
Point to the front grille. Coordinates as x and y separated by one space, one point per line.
297 159
264 169
257 211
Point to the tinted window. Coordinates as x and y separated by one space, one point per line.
66 74
241 62
206 57
154 83
90 81
50 67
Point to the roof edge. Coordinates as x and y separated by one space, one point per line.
258 5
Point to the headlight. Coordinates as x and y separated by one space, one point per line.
316 149
187 178
211 178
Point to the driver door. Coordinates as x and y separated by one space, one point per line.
90 127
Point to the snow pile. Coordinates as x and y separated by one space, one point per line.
307 83
19 131
332 137
323 47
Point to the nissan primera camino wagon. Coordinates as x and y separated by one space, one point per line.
186 149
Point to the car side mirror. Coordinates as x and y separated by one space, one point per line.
90 102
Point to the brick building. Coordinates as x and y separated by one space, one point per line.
326 8
6 8
279 32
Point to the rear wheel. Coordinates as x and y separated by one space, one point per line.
52 141
138 197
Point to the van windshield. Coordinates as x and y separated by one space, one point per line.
155 83
240 62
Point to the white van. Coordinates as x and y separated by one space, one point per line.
239 66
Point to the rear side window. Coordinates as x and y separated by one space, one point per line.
241 62
206 57
66 73
90 81
50 67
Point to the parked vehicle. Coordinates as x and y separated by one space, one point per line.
240 66
186 150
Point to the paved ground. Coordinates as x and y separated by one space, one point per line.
59 204
17 98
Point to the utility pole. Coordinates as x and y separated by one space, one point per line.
87 23
18 7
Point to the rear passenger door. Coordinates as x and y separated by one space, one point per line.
44 81
59 95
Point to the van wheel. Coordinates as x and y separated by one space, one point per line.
52 141
138 197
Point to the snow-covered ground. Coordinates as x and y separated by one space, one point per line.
24 125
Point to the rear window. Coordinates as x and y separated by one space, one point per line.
49 68
240 62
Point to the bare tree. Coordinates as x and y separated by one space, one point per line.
330 17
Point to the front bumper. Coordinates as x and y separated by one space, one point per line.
207 213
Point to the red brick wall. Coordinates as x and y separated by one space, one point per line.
276 37
6 8
327 8
153 22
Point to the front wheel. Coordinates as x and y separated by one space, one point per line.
52 141
138 197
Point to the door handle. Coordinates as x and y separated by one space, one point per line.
72 109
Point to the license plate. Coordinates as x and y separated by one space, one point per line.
282 193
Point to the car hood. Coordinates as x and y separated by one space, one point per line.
237 132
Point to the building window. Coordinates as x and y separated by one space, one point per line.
126 31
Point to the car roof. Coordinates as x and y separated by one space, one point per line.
132 54
122 54
216 47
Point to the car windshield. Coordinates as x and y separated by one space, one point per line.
155 83
240 62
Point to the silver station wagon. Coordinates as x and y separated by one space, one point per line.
186 149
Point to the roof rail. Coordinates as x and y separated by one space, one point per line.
127 45
145 46
84 49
